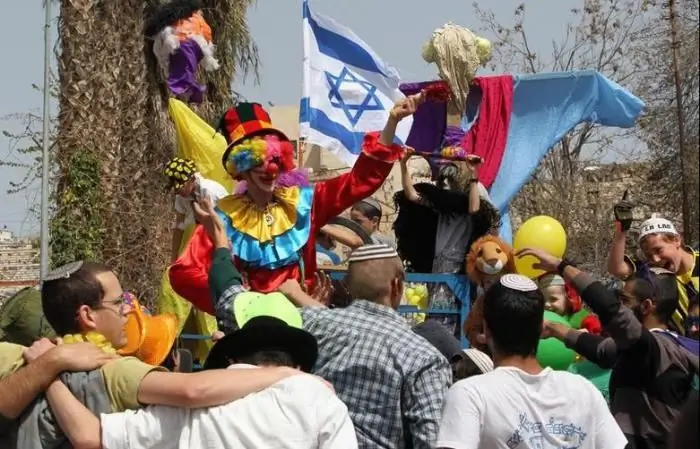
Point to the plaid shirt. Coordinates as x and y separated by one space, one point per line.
392 380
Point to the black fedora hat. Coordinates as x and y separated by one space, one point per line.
265 333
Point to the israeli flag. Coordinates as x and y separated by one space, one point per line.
348 90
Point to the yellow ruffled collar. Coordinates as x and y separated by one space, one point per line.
263 224
95 338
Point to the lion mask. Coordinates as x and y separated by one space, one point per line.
488 257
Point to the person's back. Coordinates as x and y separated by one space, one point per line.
370 354
520 404
515 409
392 380
296 413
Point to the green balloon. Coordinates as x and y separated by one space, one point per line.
578 317
553 353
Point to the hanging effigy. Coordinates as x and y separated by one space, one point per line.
182 42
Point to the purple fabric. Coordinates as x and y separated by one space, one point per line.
429 121
182 76
453 136
298 177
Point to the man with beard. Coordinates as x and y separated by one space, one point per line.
652 371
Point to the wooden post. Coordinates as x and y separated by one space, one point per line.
301 146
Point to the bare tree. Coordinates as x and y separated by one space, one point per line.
600 36
675 173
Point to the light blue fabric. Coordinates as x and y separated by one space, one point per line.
284 249
546 106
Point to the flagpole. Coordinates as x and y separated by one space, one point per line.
44 237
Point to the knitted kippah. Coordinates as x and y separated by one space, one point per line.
372 252
518 282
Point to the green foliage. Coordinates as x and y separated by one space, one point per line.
77 231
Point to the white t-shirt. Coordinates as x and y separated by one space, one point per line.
299 412
510 409
204 188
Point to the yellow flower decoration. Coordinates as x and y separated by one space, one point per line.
98 340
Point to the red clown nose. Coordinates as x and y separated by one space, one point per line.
272 168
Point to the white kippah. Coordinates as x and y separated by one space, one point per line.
656 225
518 282
372 252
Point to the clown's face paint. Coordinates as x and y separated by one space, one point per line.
263 177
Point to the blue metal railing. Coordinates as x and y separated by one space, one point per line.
459 284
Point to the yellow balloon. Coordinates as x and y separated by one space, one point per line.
541 232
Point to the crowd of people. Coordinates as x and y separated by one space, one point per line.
303 362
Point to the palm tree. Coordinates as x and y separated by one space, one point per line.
114 133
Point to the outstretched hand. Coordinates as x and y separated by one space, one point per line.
407 106
545 261
207 217
408 153
552 329
323 288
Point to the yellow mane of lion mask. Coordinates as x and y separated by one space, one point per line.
489 256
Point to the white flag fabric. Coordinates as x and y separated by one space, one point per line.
348 90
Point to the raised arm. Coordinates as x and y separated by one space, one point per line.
617 265
617 320
406 182
333 196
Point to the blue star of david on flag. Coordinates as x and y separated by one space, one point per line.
348 90
353 95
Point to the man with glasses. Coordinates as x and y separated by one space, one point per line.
87 299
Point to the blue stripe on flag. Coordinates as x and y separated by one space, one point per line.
333 45
323 124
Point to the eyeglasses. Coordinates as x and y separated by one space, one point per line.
121 303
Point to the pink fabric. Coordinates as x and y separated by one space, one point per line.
488 136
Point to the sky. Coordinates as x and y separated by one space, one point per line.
395 29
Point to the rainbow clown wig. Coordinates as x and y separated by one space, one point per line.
254 142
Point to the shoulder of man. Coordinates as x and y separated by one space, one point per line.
123 378
11 358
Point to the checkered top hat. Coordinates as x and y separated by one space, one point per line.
179 171
244 121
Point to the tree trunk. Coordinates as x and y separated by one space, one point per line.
115 135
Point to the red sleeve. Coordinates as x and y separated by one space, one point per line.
189 275
333 196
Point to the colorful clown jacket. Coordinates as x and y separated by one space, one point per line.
277 243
